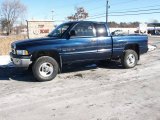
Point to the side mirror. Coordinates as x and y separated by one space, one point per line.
72 33
112 33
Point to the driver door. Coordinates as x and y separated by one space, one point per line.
82 46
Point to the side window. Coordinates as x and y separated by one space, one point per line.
84 30
101 30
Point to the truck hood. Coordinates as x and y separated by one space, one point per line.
26 41
34 42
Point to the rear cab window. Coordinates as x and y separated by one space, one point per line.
101 30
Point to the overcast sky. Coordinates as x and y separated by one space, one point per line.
147 10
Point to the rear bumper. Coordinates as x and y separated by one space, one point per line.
21 61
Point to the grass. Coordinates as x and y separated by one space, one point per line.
5 43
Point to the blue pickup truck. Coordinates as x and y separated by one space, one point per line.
76 42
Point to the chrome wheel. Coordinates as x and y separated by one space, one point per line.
131 59
46 69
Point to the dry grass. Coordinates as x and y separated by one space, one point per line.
5 43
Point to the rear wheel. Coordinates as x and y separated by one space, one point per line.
129 59
45 68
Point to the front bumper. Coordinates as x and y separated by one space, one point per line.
21 61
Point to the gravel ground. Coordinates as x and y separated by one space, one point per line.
87 92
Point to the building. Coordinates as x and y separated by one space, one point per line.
36 29
154 28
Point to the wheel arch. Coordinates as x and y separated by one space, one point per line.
134 47
51 53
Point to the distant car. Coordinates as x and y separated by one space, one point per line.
117 32
76 42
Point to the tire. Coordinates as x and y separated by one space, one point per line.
129 59
45 68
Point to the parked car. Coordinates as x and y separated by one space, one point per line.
76 42
118 32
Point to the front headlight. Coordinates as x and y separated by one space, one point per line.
22 52
13 46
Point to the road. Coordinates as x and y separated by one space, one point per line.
86 92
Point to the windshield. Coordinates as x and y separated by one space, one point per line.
60 30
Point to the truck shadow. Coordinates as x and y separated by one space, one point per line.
18 74
91 65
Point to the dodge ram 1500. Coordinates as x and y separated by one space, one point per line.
76 42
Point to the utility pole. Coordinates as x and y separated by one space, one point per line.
107 7
52 14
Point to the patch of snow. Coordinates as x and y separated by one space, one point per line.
151 47
5 61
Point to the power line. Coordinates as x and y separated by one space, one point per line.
102 16
112 5
123 12
125 2
136 14
137 8
142 10
132 11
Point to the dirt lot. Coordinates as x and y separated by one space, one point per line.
105 92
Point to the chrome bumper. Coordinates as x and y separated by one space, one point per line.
21 61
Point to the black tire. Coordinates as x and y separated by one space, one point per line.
45 65
129 59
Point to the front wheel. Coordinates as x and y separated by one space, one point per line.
129 59
45 68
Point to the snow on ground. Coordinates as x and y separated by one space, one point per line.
151 47
5 60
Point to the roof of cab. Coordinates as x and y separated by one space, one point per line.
86 22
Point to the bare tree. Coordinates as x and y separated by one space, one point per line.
3 24
80 14
11 10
